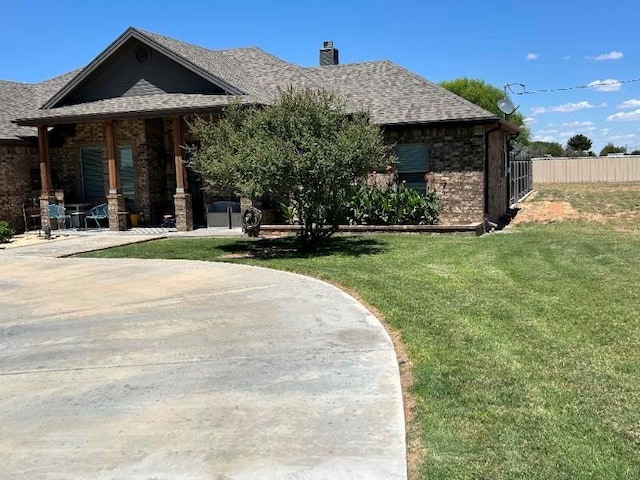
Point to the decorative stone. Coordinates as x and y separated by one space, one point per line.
117 212
184 214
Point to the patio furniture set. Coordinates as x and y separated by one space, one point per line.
66 216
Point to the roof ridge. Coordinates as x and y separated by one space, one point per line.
150 34
367 62
25 84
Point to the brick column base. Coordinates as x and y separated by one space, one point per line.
184 212
45 201
117 212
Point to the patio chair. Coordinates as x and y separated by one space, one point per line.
31 216
96 214
57 213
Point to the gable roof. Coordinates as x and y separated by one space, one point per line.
392 94
18 98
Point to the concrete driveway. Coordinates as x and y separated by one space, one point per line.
141 369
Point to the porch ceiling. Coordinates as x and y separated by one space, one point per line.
141 106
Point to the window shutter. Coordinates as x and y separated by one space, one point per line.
92 172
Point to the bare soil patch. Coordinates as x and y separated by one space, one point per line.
610 204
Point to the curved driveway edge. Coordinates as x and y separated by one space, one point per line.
140 369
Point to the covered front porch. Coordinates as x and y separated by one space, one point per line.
135 166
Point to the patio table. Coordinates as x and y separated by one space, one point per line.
77 215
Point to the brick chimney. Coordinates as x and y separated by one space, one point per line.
328 54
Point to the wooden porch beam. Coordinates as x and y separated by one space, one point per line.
112 157
45 162
177 154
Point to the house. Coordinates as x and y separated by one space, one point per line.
113 130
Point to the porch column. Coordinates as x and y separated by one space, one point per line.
115 200
46 194
181 199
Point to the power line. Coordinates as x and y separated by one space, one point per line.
522 89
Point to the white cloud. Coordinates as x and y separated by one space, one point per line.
625 116
627 136
567 57
545 138
530 120
606 56
576 124
565 108
631 103
608 85
532 56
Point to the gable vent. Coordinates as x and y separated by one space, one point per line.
143 54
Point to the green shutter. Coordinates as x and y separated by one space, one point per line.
92 172
412 157
127 173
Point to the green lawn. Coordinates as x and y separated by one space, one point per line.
525 346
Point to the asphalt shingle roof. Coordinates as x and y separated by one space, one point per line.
392 94
17 99
136 105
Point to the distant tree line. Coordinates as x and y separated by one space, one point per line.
577 146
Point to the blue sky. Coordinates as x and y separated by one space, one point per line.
539 43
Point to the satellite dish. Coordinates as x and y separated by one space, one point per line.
505 106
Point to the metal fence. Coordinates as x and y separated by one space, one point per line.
521 172
587 169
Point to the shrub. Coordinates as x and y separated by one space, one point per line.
5 232
379 205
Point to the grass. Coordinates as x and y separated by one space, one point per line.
525 347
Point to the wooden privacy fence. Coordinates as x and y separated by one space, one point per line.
587 169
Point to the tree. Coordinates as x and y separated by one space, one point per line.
635 152
579 143
303 148
486 96
540 149
611 148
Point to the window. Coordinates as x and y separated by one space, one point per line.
92 173
412 164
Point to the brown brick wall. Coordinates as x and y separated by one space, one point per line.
16 163
456 161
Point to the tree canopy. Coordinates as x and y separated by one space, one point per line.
303 148
486 96
611 148
579 143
